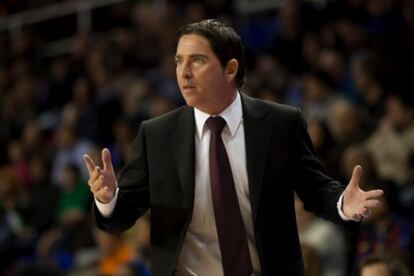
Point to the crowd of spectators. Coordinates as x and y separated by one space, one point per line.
348 64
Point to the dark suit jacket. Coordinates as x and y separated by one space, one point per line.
280 160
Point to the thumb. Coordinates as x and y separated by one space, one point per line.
356 176
106 159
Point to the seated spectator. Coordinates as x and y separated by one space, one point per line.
383 265
325 239
116 253
72 229
68 149
311 261
385 231
392 144
38 213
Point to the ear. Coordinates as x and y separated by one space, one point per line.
231 69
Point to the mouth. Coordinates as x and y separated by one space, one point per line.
188 87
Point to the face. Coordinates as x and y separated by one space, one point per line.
375 270
203 82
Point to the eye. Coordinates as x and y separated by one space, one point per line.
178 61
198 60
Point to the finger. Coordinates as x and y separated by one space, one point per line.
96 173
372 203
356 217
89 163
101 193
105 194
374 194
366 213
95 188
106 159
96 185
356 176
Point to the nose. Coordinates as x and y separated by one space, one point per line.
185 70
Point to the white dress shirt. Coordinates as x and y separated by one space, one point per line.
200 254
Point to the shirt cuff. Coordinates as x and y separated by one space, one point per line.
339 205
106 209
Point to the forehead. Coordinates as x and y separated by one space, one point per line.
376 269
193 43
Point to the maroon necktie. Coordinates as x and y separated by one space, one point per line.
230 228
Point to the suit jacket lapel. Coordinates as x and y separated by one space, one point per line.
183 147
257 139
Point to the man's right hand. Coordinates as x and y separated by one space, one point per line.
102 182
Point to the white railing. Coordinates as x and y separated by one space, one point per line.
80 7
245 7
83 11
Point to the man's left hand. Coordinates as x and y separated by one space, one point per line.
356 202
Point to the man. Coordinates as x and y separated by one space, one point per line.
383 265
219 174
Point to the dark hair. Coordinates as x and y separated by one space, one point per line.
395 266
224 40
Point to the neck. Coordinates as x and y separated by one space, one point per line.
220 106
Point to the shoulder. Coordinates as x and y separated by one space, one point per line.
169 117
161 125
270 109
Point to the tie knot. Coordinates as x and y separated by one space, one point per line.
216 124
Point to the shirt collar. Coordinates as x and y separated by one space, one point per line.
232 115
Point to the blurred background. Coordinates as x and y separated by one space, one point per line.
76 76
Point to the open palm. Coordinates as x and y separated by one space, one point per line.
356 202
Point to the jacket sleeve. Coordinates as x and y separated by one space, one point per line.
133 196
318 192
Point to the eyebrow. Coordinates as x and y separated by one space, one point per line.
192 56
